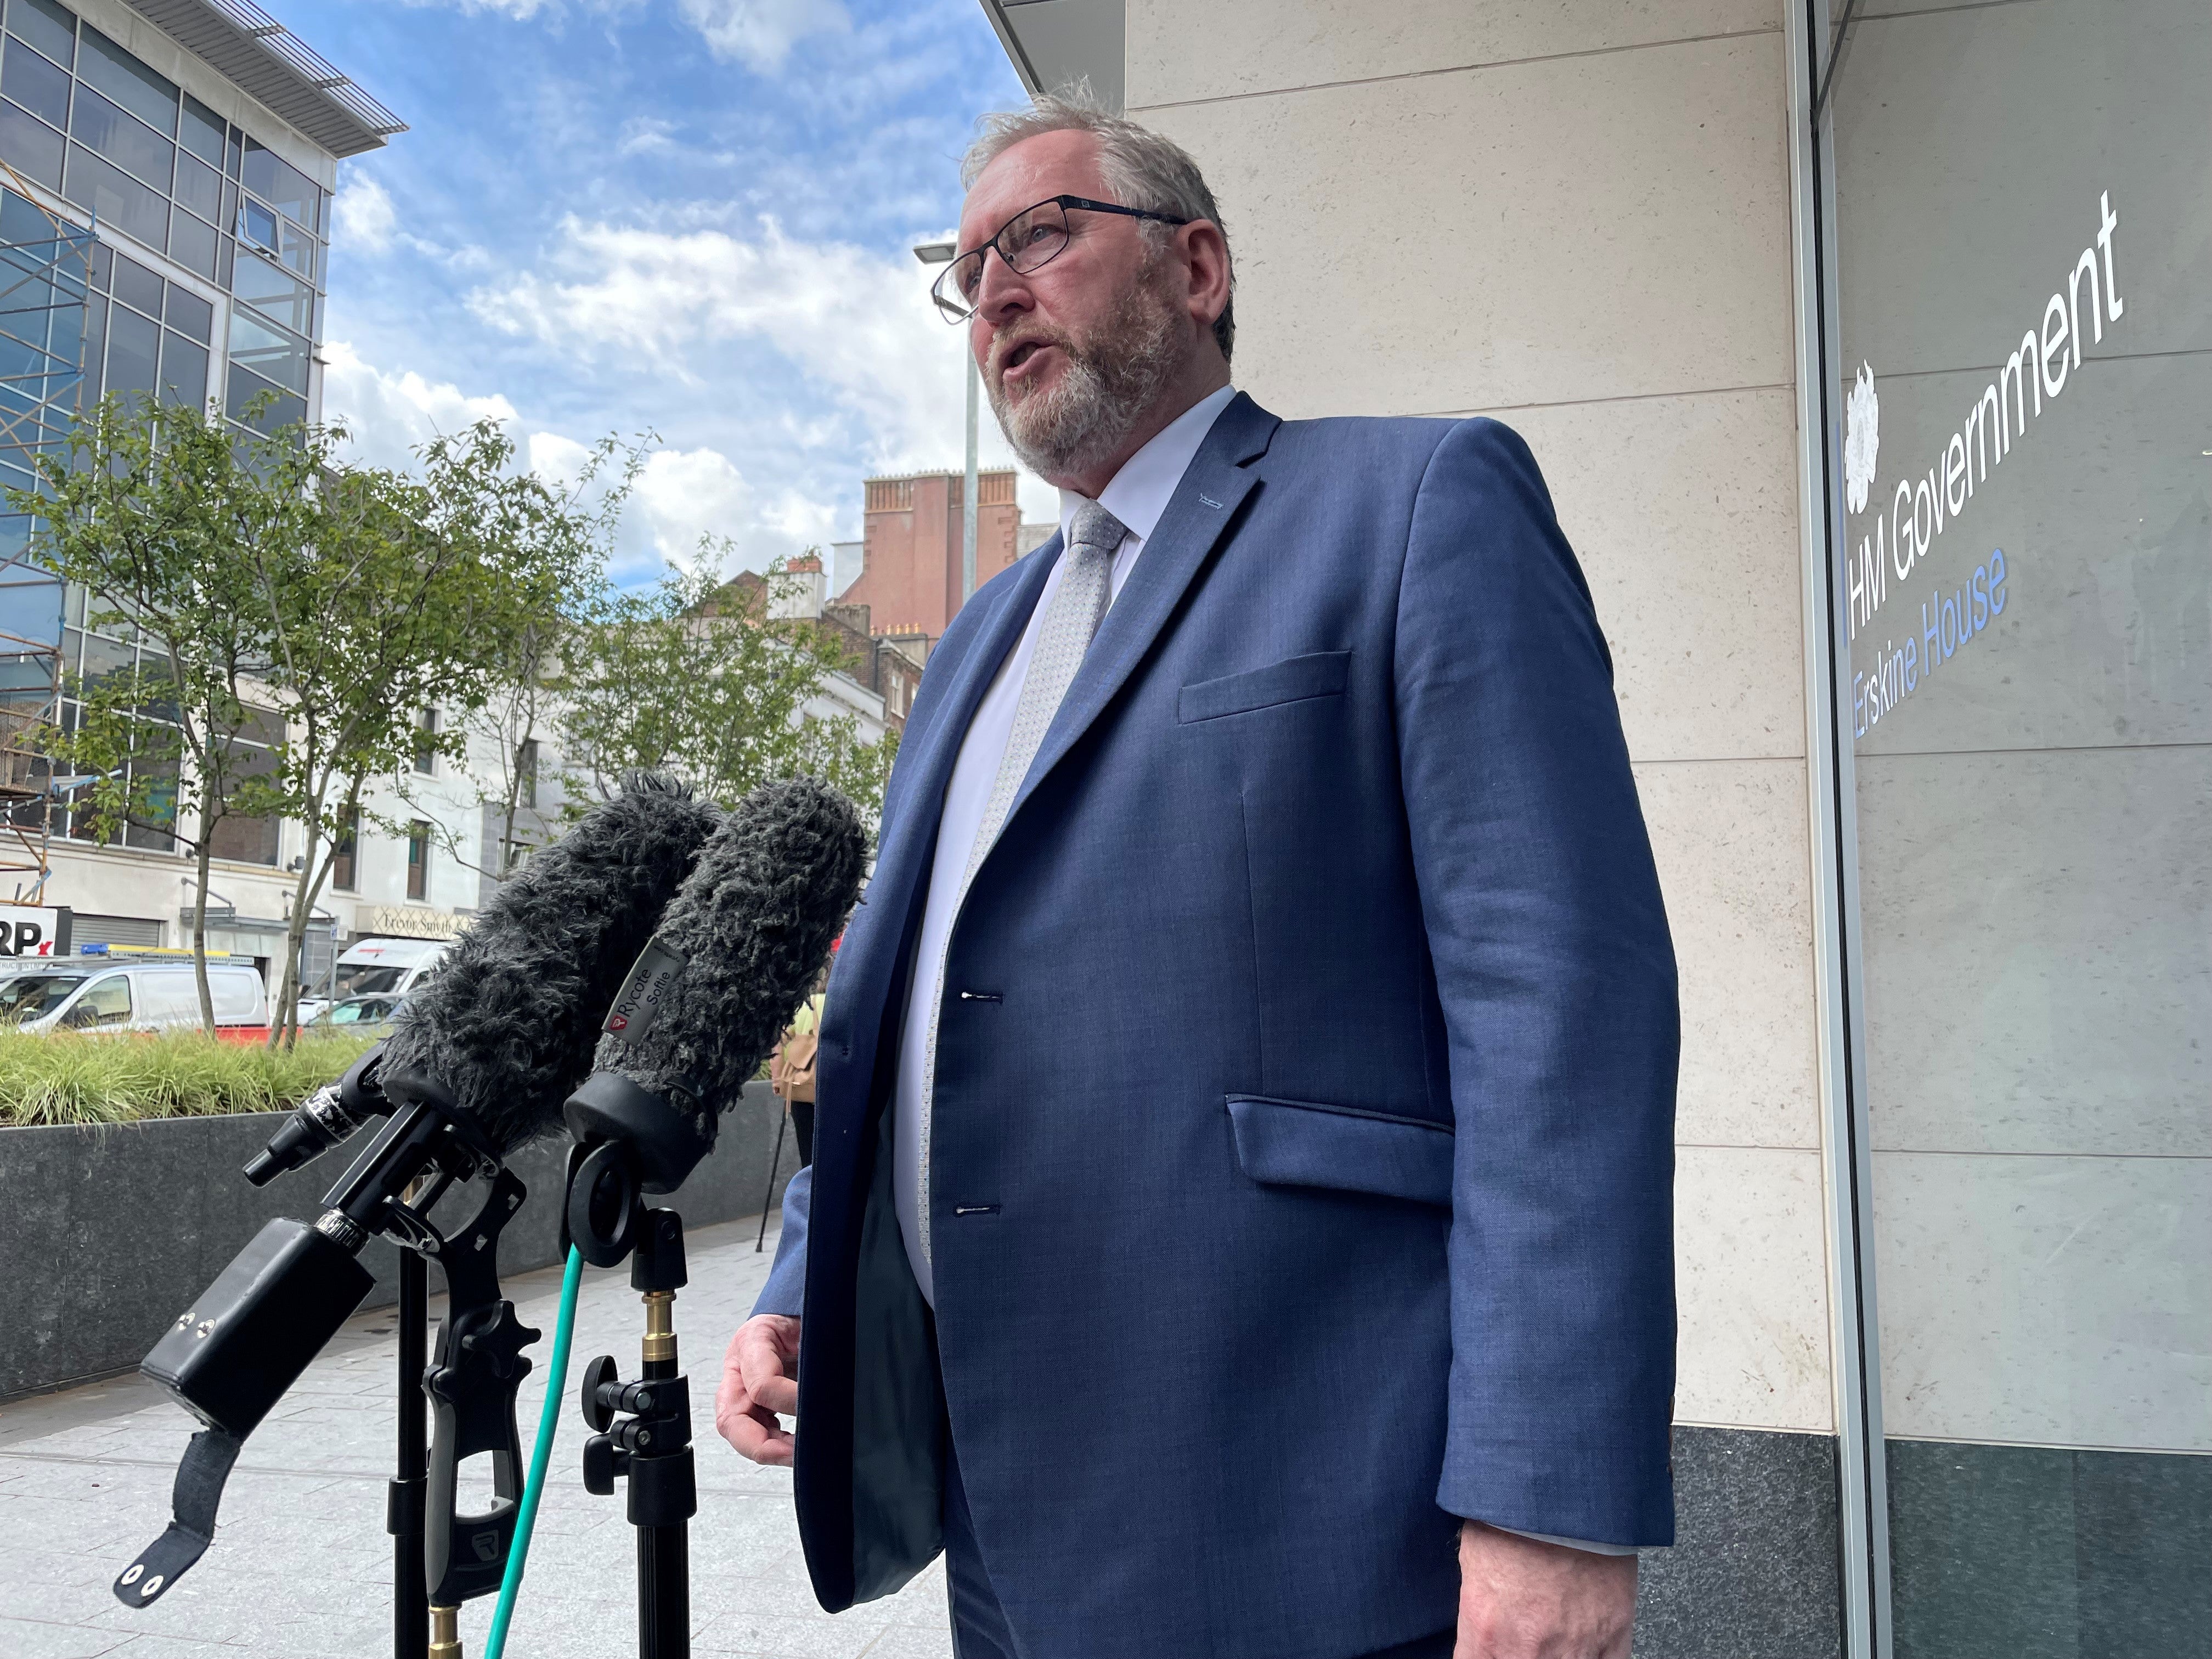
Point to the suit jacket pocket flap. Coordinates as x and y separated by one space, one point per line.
1298 1142
1322 674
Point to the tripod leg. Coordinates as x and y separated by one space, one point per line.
774 1163
410 1599
664 1590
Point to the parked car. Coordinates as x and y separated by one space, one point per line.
376 967
356 1013
84 994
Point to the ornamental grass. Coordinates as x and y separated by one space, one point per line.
68 1078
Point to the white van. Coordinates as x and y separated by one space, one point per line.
90 994
378 967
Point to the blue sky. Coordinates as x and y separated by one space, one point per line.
688 216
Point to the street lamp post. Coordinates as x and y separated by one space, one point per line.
937 254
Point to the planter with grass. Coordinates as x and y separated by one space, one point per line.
121 1196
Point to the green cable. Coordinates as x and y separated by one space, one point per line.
556 1387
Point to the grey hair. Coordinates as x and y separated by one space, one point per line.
1142 170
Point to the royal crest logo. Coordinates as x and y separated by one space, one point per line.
1862 439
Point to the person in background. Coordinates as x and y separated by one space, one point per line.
791 1072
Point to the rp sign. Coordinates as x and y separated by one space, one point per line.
25 932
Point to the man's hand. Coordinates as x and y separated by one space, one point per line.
1522 1599
759 1379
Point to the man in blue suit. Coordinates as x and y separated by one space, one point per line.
1240 1224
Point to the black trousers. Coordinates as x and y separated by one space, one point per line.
802 1126
979 1624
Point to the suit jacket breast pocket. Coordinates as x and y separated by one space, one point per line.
1294 679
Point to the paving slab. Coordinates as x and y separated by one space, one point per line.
301 1566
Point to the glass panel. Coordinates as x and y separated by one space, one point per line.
152 97
30 610
199 187
37 85
277 293
278 183
225 250
246 386
104 659
191 244
269 352
118 199
276 235
50 28
230 151
157 814
124 139
201 132
135 285
188 314
103 264
33 146
2026 381
184 371
131 344
96 348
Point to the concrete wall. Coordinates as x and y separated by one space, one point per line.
1575 218
112 1231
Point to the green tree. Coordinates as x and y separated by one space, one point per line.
568 529
697 675
147 508
404 596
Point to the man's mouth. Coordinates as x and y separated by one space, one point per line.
1020 355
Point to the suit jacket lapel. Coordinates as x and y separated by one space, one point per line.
1199 513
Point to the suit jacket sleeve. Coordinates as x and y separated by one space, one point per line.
786 1289
1556 976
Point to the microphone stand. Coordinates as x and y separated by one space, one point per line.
403 1502
641 1430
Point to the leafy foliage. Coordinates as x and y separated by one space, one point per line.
699 676
65 1078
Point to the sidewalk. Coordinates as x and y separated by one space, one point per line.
300 1566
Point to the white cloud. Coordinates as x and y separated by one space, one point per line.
859 326
365 217
389 414
760 33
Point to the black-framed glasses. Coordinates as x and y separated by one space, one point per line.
1029 241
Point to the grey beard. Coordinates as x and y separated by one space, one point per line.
1110 381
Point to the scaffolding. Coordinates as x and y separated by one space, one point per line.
45 268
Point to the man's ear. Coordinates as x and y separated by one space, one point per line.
1206 258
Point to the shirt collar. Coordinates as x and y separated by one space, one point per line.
1140 491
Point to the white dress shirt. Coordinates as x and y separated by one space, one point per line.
1138 496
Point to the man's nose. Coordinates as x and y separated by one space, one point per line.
1001 293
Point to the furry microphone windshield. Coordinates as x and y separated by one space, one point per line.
505 1029
736 953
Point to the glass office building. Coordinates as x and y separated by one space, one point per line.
166 170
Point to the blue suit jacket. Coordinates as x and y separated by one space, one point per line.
1303 1172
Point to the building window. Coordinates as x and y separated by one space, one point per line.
426 753
418 859
157 165
525 769
345 873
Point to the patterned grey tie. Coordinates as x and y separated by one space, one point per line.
1078 605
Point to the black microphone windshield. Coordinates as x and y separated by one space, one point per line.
735 955
505 1029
